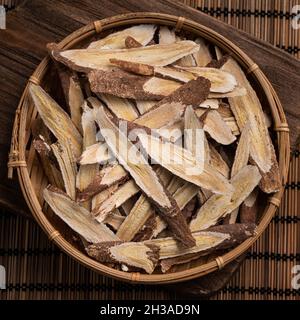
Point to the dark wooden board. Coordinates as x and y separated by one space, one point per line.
37 22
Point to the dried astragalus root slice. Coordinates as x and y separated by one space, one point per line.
67 165
214 238
86 173
126 85
144 176
166 35
183 164
236 92
202 56
77 217
237 234
56 119
122 108
221 81
144 106
142 33
84 60
137 68
217 128
115 200
133 254
73 94
96 153
218 206
106 178
218 162
210 104
249 208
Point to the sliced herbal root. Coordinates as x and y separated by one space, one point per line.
218 162
215 238
249 208
237 234
142 33
122 108
145 106
86 173
84 60
202 56
56 119
218 206
182 163
133 254
174 73
45 154
73 95
106 178
130 43
166 35
134 162
210 104
77 217
114 220
221 81
126 85
236 92
120 196
194 137
242 151
96 153
217 128
248 108
103 195
137 68
67 165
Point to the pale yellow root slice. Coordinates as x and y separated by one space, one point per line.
248 108
242 151
221 81
182 163
125 192
218 162
232 124
174 73
210 104
236 92
169 248
96 153
77 217
142 33
172 132
217 128
166 35
114 220
144 106
134 162
194 136
87 173
103 195
122 108
67 164
56 119
163 115
75 101
218 206
133 254
154 55
161 87
202 56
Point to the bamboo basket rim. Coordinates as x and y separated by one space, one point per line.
21 132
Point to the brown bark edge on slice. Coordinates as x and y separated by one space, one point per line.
130 42
144 176
138 68
238 233
140 255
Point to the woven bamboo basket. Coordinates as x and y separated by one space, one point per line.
33 180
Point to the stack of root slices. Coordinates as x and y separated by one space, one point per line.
159 152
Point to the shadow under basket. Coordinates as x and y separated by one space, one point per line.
32 179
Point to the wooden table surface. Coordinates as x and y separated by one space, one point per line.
35 23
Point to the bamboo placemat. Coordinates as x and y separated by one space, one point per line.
36 269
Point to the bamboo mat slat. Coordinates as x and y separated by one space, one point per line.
36 269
